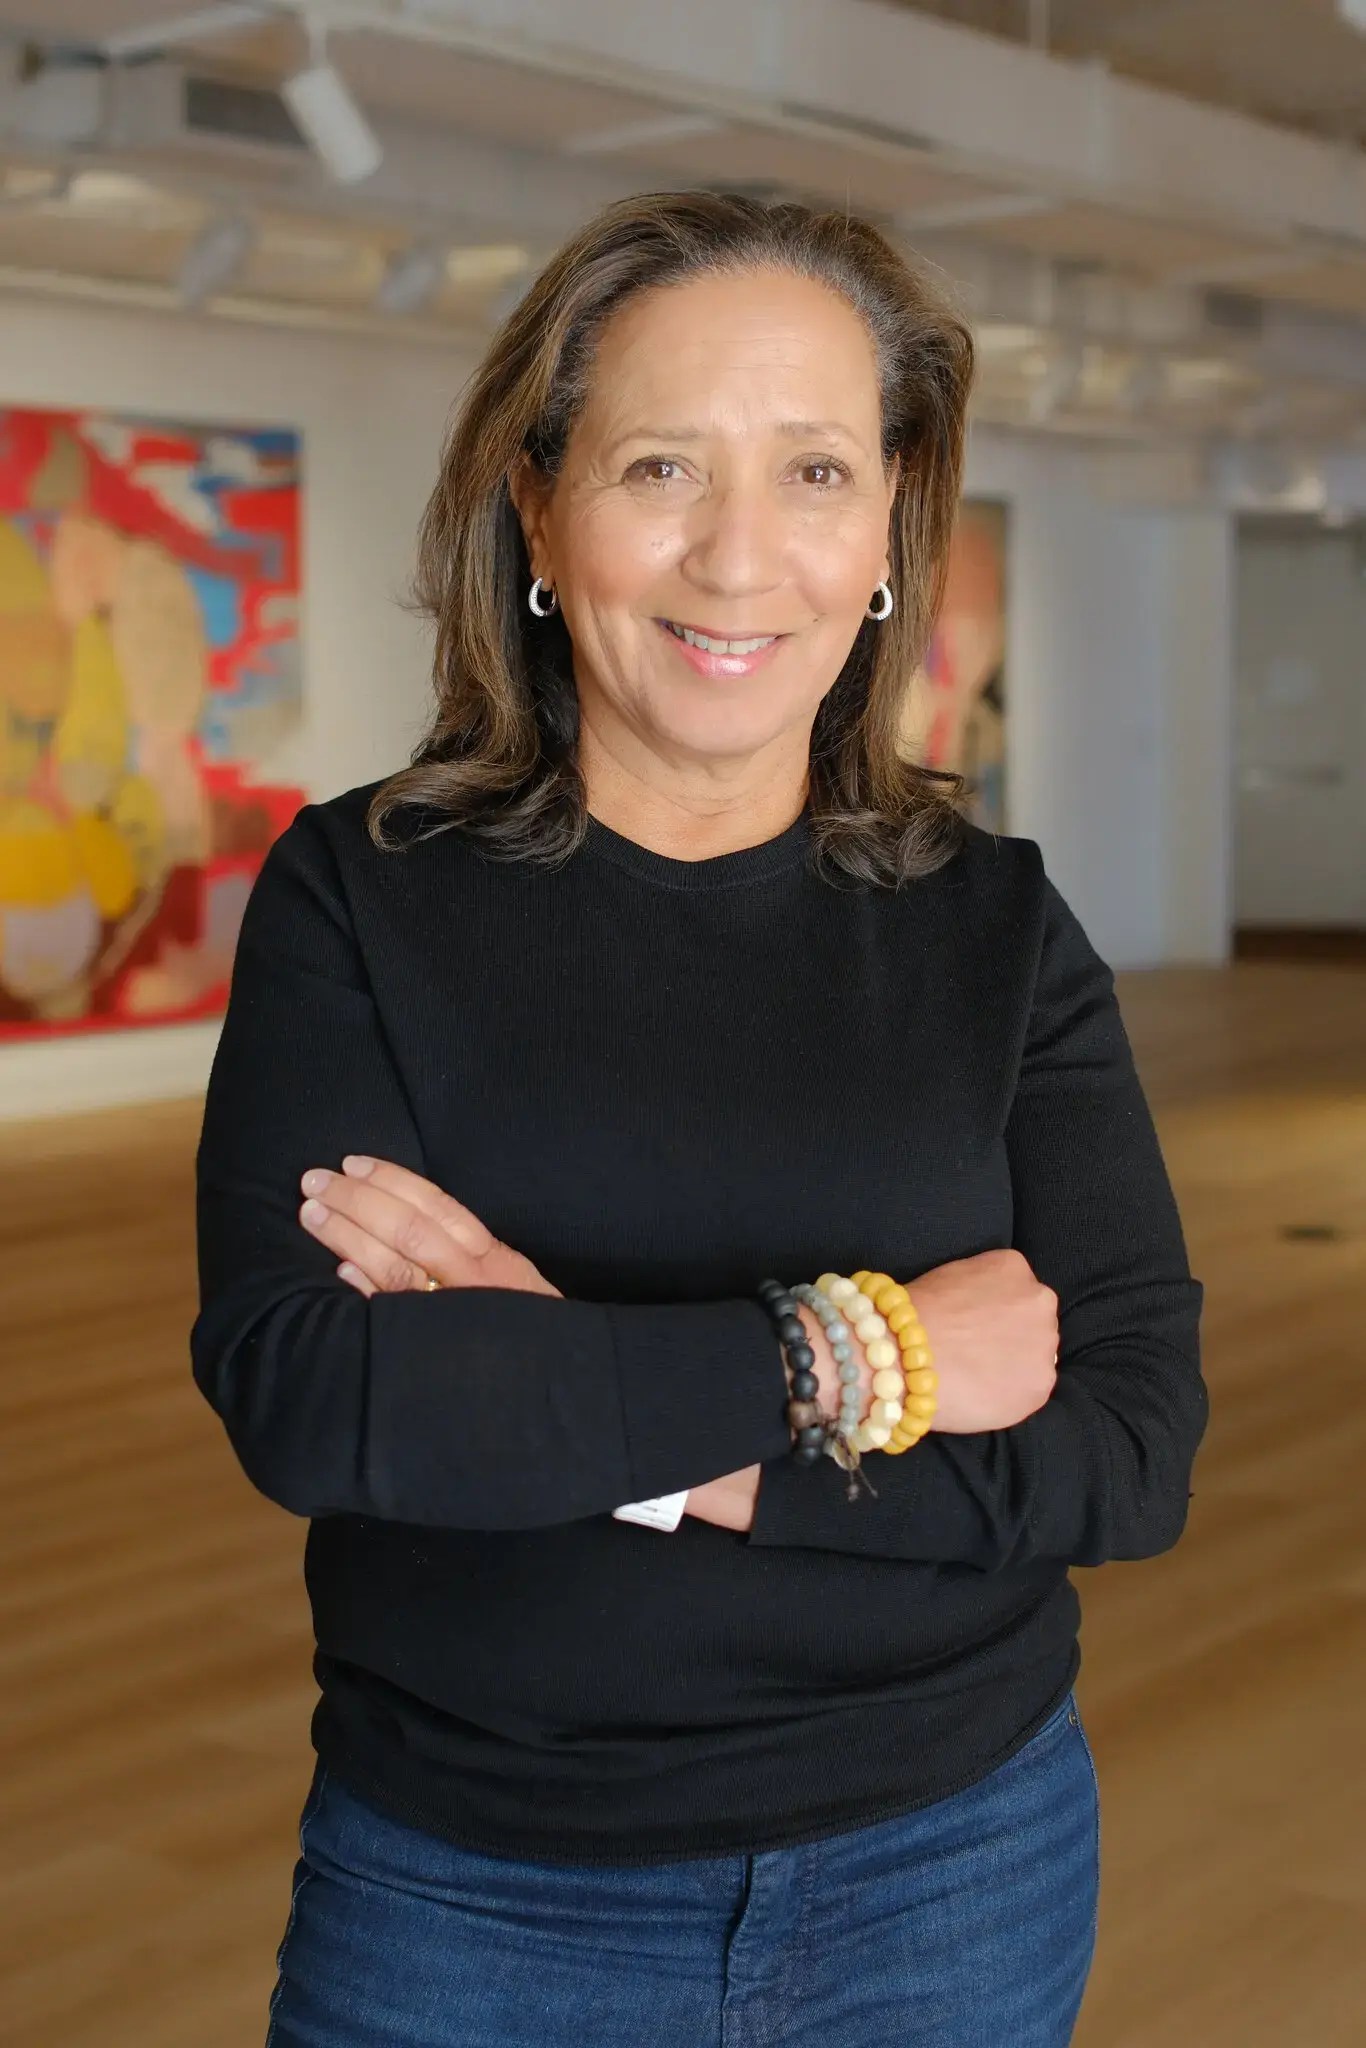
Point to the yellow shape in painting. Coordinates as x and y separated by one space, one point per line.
20 752
39 861
139 817
34 649
107 861
23 579
91 741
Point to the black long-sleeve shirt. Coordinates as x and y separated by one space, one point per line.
663 1080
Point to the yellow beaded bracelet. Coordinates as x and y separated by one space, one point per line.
894 1304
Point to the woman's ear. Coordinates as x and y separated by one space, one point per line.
527 490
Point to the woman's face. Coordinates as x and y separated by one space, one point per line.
724 480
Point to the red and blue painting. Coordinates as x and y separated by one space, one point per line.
149 676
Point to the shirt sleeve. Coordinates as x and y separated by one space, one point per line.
1102 1471
470 1408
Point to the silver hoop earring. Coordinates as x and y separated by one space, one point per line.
534 596
883 591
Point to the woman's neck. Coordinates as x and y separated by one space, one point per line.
692 820
689 827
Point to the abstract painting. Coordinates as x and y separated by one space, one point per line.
149 672
956 706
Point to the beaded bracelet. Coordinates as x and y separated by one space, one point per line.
841 1340
921 1396
878 1311
804 1413
815 1432
889 1388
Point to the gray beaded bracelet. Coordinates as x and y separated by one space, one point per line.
839 1443
841 1339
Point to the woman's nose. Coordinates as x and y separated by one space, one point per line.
737 543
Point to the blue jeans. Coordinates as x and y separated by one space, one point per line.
966 1924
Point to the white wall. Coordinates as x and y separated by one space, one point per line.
1300 729
1118 681
1118 663
1196 750
371 415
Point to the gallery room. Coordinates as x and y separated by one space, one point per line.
682 1022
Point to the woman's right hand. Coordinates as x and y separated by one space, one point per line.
993 1335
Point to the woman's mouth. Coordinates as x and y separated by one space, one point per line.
717 654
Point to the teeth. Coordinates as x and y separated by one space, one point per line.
714 646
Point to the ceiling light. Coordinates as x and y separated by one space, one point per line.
321 247
1143 384
1266 413
135 203
488 263
327 114
214 258
412 279
1004 338
317 96
1353 13
22 186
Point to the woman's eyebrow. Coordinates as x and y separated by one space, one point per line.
797 428
792 429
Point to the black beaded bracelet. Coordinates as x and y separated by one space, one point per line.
804 1412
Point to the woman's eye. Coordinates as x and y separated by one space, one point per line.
822 474
655 469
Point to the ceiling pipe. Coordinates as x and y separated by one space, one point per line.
215 258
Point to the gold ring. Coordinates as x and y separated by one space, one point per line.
431 1287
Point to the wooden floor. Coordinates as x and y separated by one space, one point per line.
155 1643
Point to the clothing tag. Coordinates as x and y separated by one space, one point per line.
664 1513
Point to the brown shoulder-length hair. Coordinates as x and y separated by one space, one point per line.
498 760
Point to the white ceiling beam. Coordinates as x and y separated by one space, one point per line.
974 213
977 103
28 281
1247 270
641 134
201 26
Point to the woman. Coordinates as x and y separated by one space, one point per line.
658 977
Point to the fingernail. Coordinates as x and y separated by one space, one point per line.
315 1180
356 1163
349 1273
313 1212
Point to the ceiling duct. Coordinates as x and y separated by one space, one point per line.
225 111
1234 313
165 105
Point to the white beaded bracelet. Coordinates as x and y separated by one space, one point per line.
883 1354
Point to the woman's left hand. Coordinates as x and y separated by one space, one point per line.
727 1503
394 1231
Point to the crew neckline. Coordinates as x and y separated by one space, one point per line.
717 871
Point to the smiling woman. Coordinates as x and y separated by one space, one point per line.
658 973
735 545
720 426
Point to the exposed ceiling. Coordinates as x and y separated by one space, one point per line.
1291 61
1105 311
